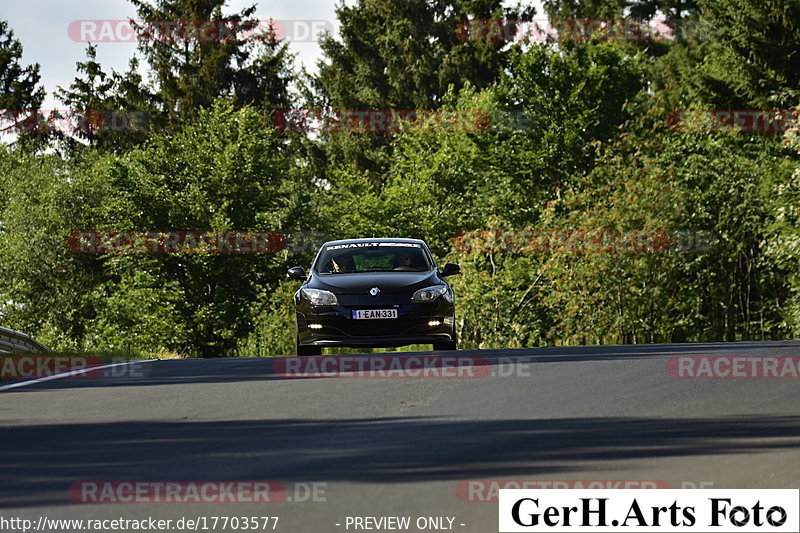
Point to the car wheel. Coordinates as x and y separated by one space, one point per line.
308 350
448 345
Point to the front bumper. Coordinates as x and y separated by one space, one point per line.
336 327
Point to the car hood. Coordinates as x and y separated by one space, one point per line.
387 282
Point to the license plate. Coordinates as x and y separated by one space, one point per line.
374 313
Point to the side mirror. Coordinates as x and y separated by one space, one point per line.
296 273
450 269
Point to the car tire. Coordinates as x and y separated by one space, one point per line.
448 345
308 350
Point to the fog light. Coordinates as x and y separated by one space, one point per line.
315 326
434 323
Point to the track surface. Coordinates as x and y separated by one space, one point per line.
398 447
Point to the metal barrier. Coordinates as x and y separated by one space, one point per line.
15 342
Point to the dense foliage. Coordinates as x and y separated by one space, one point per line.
579 212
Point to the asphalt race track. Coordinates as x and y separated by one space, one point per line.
398 447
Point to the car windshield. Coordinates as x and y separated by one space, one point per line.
351 258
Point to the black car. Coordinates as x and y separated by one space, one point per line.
374 293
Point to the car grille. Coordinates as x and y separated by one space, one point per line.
372 328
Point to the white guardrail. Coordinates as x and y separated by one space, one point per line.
15 342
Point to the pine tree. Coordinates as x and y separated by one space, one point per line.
672 10
21 92
20 87
754 52
405 55
88 97
264 81
112 112
402 56
211 55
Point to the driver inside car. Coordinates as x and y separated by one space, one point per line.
343 264
404 261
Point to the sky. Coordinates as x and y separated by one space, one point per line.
43 27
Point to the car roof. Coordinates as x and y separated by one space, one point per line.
377 239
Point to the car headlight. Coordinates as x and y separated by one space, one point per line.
319 297
429 294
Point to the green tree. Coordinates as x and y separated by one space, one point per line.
401 56
755 52
738 54
228 171
673 10
714 283
782 242
191 72
21 93
572 97
20 87
42 283
114 110
87 97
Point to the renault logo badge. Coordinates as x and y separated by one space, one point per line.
374 291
